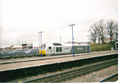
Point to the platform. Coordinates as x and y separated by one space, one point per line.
32 62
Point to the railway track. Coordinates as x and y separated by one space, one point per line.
61 77
52 57
111 78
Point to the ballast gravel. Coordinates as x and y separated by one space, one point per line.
96 76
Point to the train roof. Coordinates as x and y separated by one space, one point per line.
57 44
67 44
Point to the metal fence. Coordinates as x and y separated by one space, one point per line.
20 52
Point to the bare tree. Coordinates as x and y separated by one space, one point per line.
97 31
93 33
101 30
115 31
98 34
112 29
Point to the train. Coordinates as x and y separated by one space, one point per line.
59 49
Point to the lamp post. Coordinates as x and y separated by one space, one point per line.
49 40
41 42
116 40
88 43
60 38
116 45
72 39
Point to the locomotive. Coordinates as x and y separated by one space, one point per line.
58 48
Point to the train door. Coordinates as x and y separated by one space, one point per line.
50 50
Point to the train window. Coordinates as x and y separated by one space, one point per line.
49 47
57 49
60 49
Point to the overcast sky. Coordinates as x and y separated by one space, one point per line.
21 20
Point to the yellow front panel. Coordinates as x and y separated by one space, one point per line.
43 52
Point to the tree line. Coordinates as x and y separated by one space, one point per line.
101 32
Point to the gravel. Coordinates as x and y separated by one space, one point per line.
96 76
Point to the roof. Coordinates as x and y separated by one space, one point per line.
57 44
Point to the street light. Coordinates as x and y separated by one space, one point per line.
49 40
60 38
116 45
41 42
72 39
88 44
116 40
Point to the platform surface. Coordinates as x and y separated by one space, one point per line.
49 60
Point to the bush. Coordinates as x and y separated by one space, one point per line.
101 47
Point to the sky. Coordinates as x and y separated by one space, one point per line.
22 20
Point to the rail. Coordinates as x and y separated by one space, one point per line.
111 78
73 73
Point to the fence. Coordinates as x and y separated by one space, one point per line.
14 53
